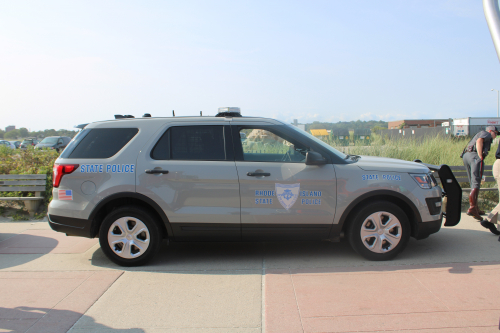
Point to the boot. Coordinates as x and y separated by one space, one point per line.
473 211
491 226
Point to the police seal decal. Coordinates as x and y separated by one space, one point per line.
287 194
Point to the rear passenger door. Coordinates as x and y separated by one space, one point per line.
189 170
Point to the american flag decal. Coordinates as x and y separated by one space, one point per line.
65 195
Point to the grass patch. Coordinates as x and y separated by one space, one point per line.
432 150
20 215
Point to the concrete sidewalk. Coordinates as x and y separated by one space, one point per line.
55 283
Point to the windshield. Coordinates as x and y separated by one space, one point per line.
50 141
323 144
27 141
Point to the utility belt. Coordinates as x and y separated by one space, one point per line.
468 149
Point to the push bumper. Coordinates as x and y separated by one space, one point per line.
451 190
70 226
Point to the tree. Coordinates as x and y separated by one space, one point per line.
12 134
377 129
2 133
23 132
49 132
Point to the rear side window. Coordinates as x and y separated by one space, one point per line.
191 143
101 143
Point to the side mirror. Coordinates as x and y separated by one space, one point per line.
314 158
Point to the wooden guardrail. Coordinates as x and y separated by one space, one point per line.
24 183
461 176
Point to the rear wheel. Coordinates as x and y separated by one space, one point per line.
380 231
129 236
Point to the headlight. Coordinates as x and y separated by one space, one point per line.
423 180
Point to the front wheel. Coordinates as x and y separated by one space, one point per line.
129 236
380 231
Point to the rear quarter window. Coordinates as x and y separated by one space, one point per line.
99 142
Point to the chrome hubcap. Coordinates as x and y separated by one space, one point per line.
128 237
381 232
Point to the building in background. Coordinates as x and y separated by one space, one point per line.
415 123
319 132
10 128
301 126
472 125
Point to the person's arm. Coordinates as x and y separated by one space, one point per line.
479 147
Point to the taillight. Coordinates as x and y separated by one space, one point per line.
60 170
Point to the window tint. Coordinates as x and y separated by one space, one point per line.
191 143
162 149
103 142
261 145
197 143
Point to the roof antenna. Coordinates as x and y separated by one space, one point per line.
201 114
173 113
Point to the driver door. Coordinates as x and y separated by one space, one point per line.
282 198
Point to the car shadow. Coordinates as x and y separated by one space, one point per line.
450 248
36 319
13 253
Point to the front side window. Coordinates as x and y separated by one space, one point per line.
262 145
191 143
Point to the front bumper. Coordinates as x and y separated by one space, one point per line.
425 229
70 226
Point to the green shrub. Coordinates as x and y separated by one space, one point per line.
29 161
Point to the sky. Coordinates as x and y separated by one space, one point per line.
64 63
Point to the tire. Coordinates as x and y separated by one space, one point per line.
129 236
380 231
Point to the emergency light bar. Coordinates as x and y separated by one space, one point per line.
229 112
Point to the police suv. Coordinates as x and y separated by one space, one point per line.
133 182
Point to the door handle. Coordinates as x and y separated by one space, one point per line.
258 174
157 171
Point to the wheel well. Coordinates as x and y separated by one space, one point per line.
409 211
126 201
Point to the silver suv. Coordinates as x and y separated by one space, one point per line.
134 182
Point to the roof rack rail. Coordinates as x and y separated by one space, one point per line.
119 116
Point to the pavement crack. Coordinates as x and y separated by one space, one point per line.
430 291
263 291
296 301
52 308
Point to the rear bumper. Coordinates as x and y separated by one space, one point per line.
70 226
424 229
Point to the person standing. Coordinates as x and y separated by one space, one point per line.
492 219
473 158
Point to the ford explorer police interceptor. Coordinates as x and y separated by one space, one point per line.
134 182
